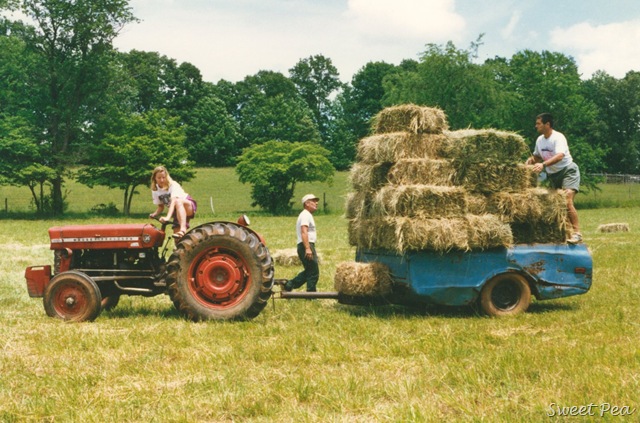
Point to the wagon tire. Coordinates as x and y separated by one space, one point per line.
72 296
507 294
220 271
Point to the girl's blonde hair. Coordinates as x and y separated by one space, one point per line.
158 169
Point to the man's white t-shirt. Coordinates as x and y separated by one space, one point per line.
549 147
162 196
305 218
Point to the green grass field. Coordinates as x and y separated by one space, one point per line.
317 360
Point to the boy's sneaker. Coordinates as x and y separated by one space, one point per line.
576 238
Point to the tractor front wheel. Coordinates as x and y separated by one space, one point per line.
72 296
505 295
220 271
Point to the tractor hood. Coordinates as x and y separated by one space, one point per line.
119 236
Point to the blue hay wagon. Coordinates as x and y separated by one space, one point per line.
501 280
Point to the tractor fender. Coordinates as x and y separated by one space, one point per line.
262 240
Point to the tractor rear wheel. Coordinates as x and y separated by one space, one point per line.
505 295
220 271
72 296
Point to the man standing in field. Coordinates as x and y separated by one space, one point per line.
552 155
306 234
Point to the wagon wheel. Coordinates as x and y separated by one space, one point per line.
72 296
220 271
505 295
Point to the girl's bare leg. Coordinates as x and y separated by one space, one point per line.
184 208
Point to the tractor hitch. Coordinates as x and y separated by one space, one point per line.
290 295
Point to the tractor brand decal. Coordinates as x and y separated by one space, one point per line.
96 239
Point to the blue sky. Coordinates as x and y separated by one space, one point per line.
230 39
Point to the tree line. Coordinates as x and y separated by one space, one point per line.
72 106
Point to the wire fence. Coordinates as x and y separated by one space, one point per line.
609 178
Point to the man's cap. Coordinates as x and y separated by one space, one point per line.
309 197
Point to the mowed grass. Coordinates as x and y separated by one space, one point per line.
317 360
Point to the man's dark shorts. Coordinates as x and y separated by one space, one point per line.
567 178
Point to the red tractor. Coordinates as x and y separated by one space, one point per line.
217 271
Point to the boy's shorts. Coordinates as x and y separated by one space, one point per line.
567 178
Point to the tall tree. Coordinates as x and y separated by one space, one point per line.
213 136
72 41
16 63
145 73
268 107
21 158
277 118
618 102
317 80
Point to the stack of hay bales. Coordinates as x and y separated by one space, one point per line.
419 186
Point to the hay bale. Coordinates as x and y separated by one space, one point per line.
439 235
363 279
373 233
536 178
402 234
289 257
425 201
356 205
536 215
366 177
613 227
539 232
395 146
421 171
488 178
487 231
410 118
286 257
531 205
477 204
471 146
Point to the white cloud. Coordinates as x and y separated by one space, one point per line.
233 39
406 19
507 31
612 47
